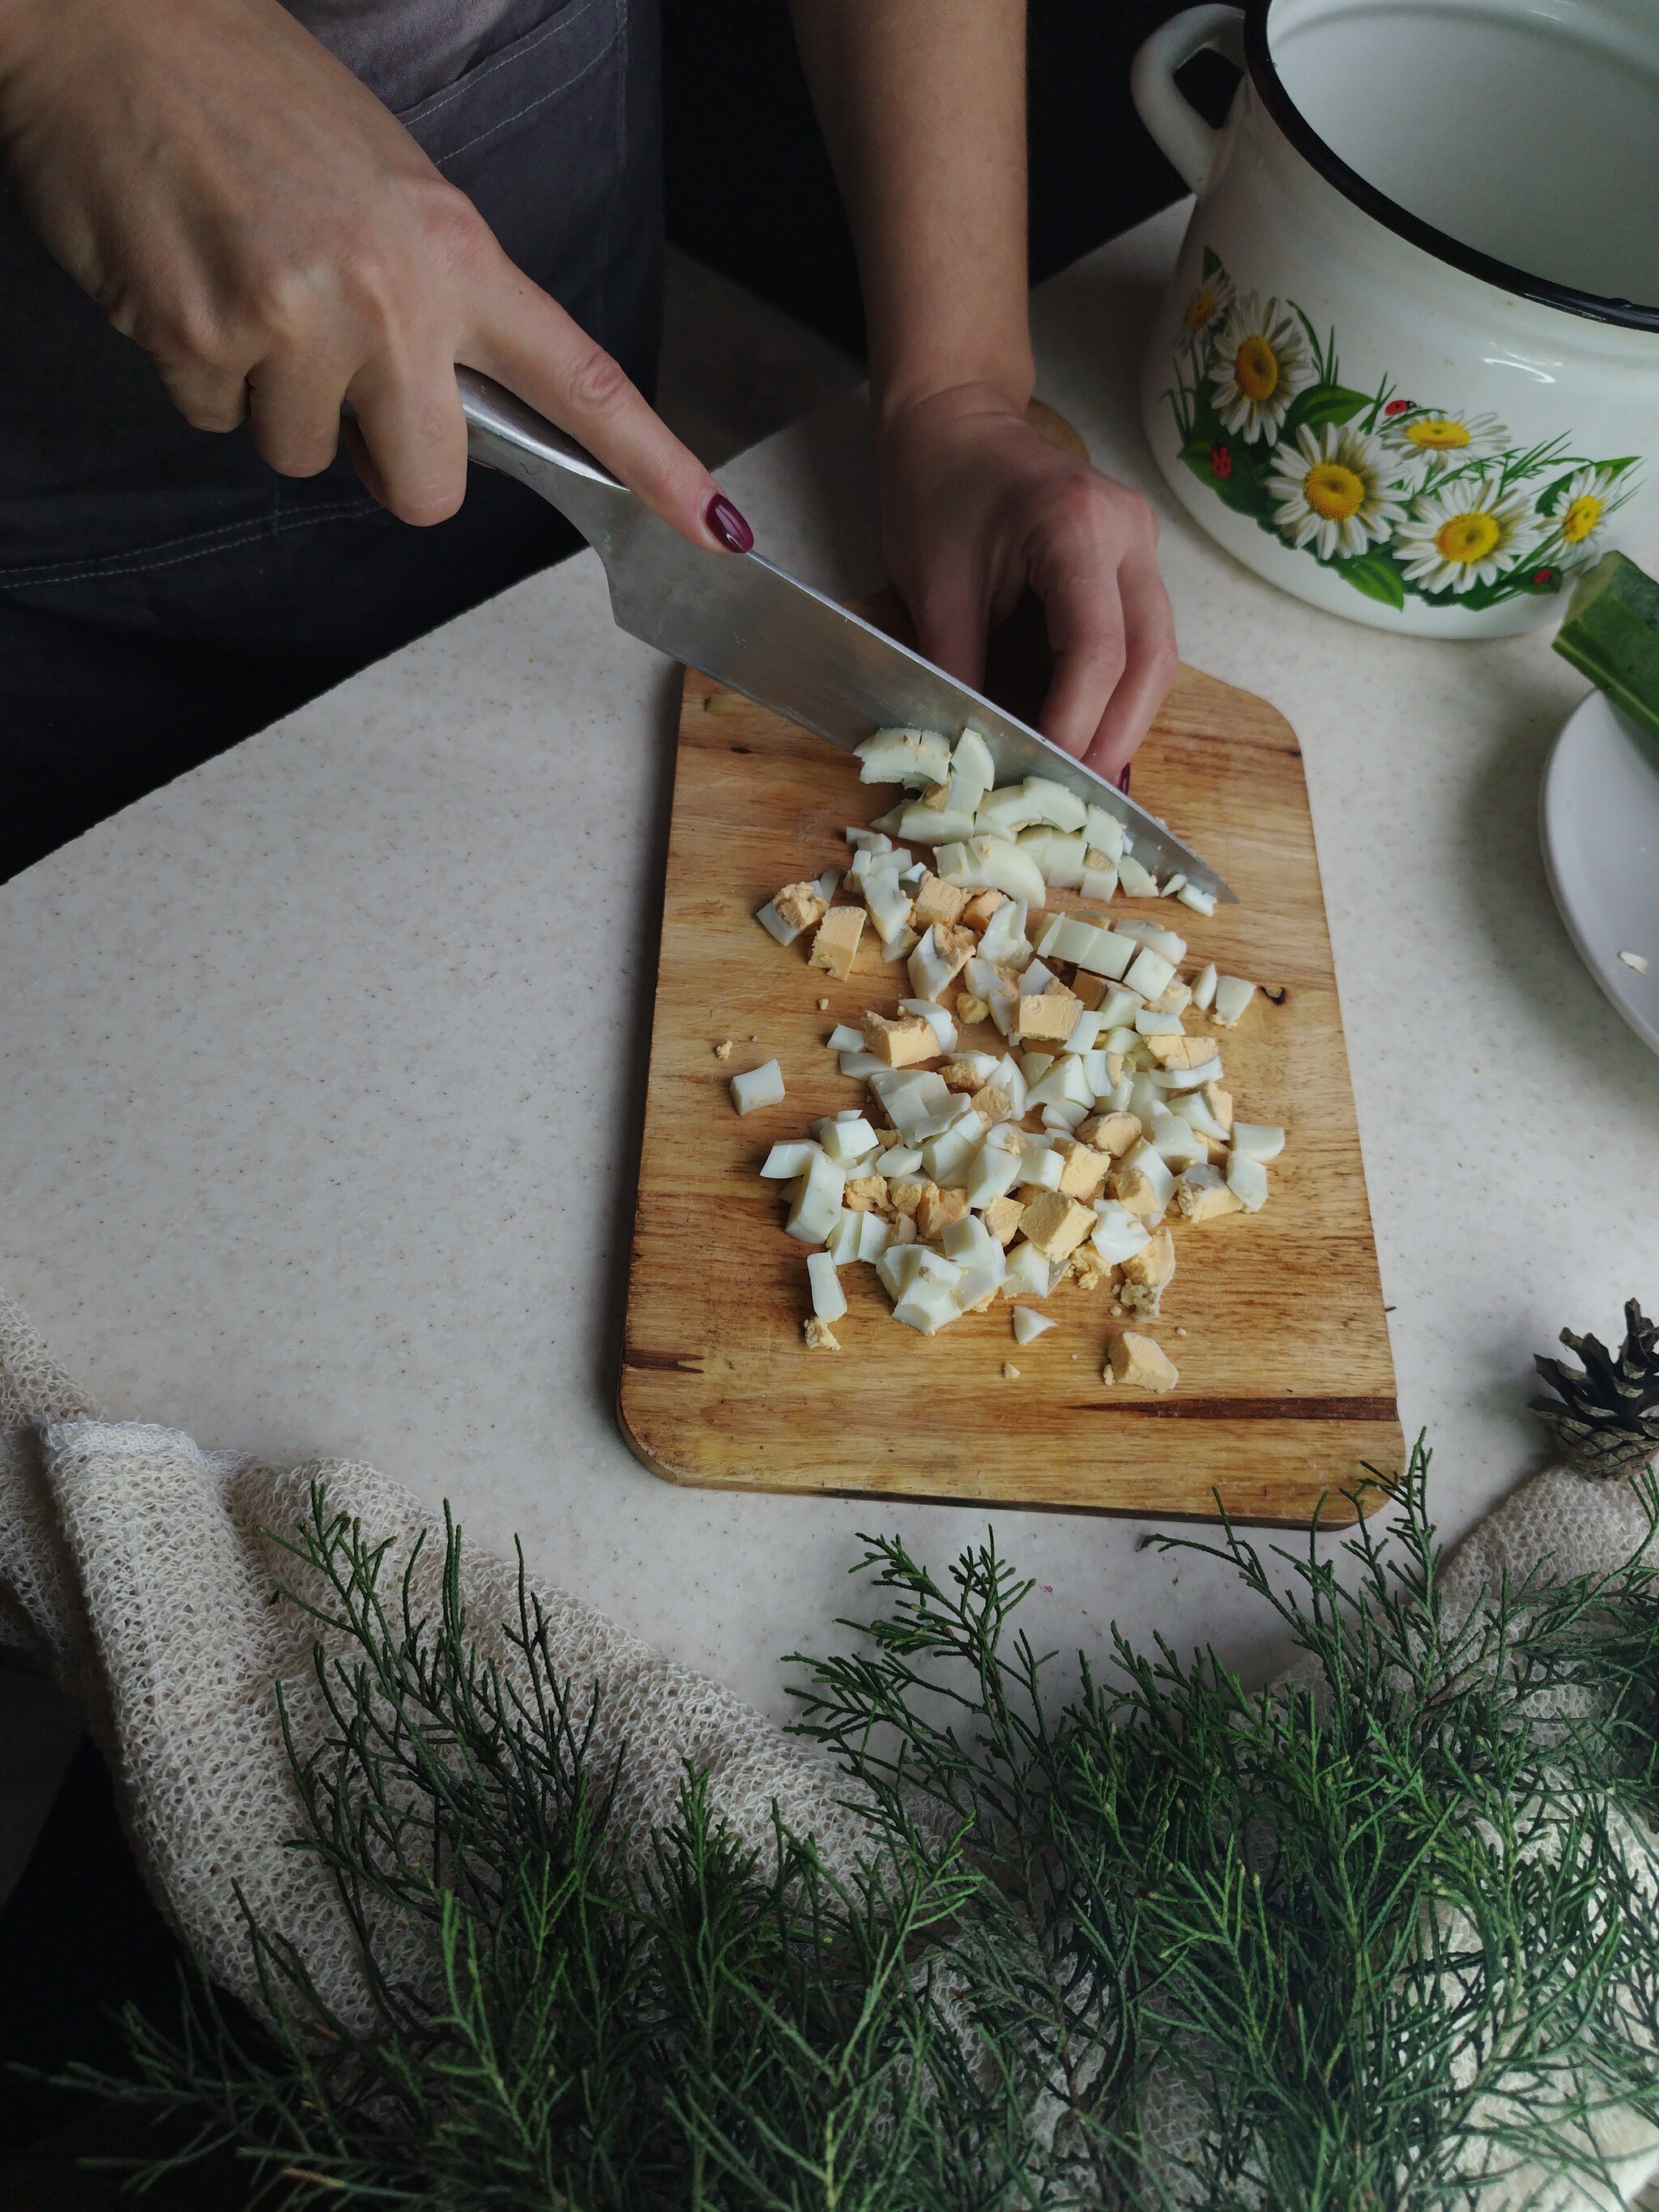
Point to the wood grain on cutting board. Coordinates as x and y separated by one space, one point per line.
1287 1381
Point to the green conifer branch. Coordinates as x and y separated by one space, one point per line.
1374 1935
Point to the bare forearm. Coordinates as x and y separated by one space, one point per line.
923 106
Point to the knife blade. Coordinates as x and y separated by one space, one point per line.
751 626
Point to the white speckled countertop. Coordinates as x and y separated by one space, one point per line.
317 1068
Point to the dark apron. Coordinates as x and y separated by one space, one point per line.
162 591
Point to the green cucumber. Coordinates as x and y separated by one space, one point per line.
1612 634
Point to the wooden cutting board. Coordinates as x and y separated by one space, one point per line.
1286 1379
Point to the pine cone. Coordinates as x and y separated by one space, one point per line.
1606 1416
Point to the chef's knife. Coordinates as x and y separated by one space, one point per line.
749 625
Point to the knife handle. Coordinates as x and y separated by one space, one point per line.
503 433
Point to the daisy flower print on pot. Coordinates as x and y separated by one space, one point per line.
1433 437
1333 491
1206 305
1260 364
1571 516
1468 533
1397 496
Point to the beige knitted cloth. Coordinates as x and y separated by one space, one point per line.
133 1568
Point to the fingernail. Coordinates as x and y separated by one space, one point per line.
1123 781
728 525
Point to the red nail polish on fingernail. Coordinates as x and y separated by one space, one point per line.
728 525
1123 781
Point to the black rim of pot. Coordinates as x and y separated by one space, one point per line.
1270 89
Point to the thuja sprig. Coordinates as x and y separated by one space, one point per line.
1379 1935
1370 1936
698 2022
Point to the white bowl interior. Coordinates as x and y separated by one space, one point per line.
1599 824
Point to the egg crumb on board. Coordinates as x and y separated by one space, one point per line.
1091 1122
723 1050
1010 1372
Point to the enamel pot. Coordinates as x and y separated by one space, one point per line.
1408 367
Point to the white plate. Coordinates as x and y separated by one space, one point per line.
1598 825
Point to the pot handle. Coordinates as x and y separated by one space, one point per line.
1180 132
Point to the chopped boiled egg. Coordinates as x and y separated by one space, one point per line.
775 924
929 1010
1063 862
969 1070
817 1202
937 817
1147 1275
1247 1179
787 1161
927 1306
937 960
1143 1182
1232 997
886 902
943 1188
938 901
846 1138
1029 1325
1140 1362
1187 1078
1202 1194
837 941
1105 832
1083 1034
995 1167
912 757
995 864
1049 1016
760 1086
1118 1235
1166 941
1002 1217
1040 1166
899 1043
1056 1225
1148 973
829 1299
1029 1274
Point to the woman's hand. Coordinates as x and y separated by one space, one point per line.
976 506
923 104
244 208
